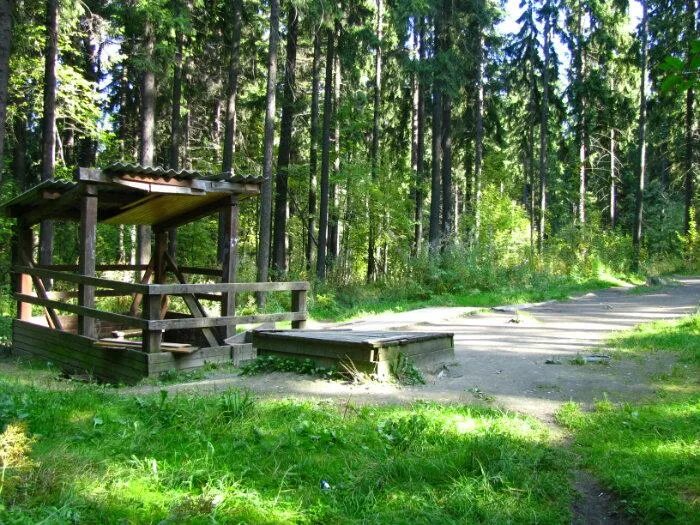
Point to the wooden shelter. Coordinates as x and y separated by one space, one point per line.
100 341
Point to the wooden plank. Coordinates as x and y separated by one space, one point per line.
43 334
138 297
77 350
86 262
201 353
172 289
314 349
106 360
51 315
299 305
73 308
189 323
191 301
22 283
167 361
151 337
193 214
56 208
229 216
128 288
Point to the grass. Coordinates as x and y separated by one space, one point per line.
649 453
372 300
91 455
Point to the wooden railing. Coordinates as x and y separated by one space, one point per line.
150 322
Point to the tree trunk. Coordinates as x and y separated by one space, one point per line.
325 158
435 186
544 132
374 152
230 119
639 202
175 125
333 216
269 143
313 153
19 153
147 134
447 199
48 128
689 120
581 124
419 102
435 183
613 182
87 146
446 135
279 246
176 100
232 88
6 7
479 130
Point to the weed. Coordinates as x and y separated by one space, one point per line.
481 395
405 372
236 404
578 360
271 363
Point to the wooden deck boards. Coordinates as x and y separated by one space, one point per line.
370 351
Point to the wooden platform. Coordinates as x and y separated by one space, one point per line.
368 351
122 363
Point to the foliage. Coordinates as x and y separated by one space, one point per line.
272 363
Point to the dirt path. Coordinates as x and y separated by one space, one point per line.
500 356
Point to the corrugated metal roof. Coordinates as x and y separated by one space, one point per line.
122 168
30 195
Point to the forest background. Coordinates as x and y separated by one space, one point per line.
412 151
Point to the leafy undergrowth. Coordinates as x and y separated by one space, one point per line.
649 453
89 455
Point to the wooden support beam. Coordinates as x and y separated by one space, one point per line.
86 262
159 267
51 317
299 306
138 296
192 303
127 288
272 286
22 242
151 337
229 216
81 310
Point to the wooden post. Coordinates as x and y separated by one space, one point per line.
22 242
229 216
151 339
299 305
159 266
86 263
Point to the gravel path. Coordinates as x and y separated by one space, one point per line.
500 356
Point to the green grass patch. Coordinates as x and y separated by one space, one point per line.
354 302
649 453
86 454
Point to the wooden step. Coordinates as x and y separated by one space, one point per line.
177 348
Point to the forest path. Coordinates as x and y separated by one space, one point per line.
501 356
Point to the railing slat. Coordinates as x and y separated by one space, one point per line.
82 310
